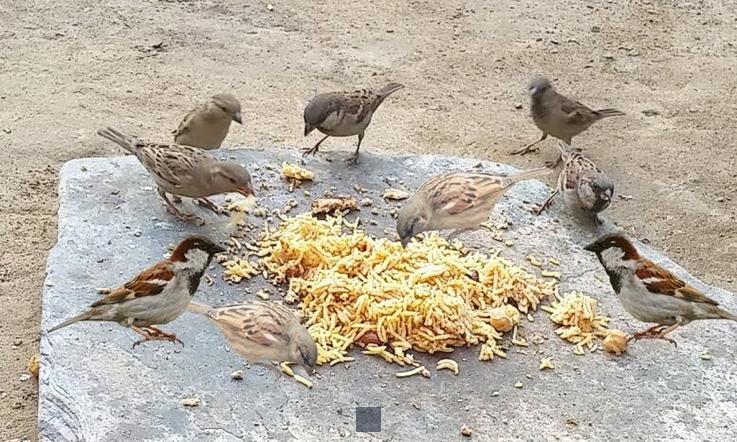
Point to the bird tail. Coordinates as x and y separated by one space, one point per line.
385 92
81 317
200 309
528 174
125 141
604 113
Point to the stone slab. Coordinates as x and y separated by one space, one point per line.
94 387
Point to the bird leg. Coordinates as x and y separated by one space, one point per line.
174 211
313 149
646 333
657 331
353 160
554 164
547 202
529 147
151 333
206 203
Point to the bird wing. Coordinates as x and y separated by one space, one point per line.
660 281
359 102
576 113
172 163
151 281
261 323
458 192
184 125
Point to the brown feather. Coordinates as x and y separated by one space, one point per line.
661 281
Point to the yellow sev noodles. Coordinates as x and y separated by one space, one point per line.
429 297
579 322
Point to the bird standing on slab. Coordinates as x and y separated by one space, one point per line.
587 190
559 116
157 295
207 125
185 171
344 114
263 331
460 201
651 293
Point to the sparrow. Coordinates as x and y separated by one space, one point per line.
158 295
559 116
587 190
184 171
460 200
651 293
206 126
344 114
263 331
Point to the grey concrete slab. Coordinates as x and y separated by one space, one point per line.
94 387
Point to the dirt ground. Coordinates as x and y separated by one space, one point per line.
68 68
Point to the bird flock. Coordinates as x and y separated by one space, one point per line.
267 331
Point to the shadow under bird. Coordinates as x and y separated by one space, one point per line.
557 115
587 190
460 201
344 114
650 292
263 331
158 295
185 171
207 125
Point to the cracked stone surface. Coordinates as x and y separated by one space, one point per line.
93 386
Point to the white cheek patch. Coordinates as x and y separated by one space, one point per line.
196 261
613 256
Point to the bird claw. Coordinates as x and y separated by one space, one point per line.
158 335
309 151
525 150
352 160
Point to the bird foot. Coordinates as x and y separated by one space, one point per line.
553 164
656 332
186 217
154 334
527 149
352 160
309 151
204 202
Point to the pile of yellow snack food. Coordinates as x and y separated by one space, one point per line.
430 297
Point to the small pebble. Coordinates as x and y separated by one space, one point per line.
466 431
595 29
270 7
518 385
237 375
191 402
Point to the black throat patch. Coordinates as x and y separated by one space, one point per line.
193 281
615 278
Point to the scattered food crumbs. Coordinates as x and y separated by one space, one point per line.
546 364
495 393
706 356
466 431
296 172
238 269
24 377
209 280
448 364
306 382
554 261
263 295
395 194
237 375
509 243
416 371
550 274
242 205
324 206
518 385
191 402
286 369
579 322
534 261
366 202
615 342
291 298
34 365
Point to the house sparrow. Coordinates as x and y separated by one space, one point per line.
559 116
460 200
206 126
263 331
587 190
157 295
344 114
651 293
185 171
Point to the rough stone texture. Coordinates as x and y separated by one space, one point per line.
95 387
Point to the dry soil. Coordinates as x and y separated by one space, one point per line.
67 68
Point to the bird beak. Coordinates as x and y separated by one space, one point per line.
404 242
591 247
246 191
308 129
237 118
218 249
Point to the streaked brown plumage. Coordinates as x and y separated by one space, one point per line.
651 293
207 125
184 171
460 200
263 331
158 295
344 114
587 190
557 115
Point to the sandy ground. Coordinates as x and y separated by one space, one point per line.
66 70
